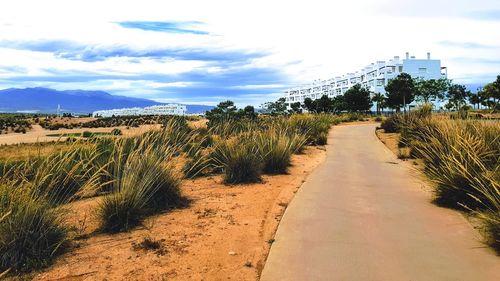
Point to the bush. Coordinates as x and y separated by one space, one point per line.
116 132
314 127
461 158
492 227
239 159
31 232
62 176
277 148
390 125
145 186
87 134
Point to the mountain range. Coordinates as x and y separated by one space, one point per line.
45 100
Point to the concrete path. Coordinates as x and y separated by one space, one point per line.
361 215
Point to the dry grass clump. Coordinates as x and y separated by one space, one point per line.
276 147
462 158
143 183
31 231
136 176
138 195
240 160
314 127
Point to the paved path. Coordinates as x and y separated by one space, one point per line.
361 215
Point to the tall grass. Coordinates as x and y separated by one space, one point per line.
31 231
240 160
138 176
462 158
314 127
276 145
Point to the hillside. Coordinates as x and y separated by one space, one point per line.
45 100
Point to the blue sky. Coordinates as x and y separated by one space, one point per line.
248 51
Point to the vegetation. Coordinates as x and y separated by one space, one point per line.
136 177
14 123
461 158
489 96
431 90
357 99
400 91
240 160
52 123
143 186
31 231
227 111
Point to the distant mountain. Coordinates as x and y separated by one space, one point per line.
44 100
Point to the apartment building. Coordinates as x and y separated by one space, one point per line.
374 77
163 109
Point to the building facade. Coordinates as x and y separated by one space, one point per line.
163 109
374 77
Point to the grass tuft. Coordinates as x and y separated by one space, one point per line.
31 231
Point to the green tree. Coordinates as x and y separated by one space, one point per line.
456 96
324 104
295 108
248 112
357 98
492 93
379 99
223 111
400 91
431 90
339 104
276 108
309 105
475 99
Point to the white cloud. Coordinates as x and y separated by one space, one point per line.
304 40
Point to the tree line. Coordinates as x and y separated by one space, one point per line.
400 92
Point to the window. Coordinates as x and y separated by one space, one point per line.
422 70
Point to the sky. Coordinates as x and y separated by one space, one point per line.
204 52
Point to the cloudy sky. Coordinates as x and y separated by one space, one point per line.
203 52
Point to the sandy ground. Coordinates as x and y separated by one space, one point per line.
224 234
67 120
362 215
38 134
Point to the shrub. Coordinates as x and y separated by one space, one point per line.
322 139
31 232
461 158
87 134
63 176
239 159
145 186
277 148
379 119
116 132
491 221
314 127
390 125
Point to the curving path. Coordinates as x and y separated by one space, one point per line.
362 215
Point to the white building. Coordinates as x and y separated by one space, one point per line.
164 109
374 77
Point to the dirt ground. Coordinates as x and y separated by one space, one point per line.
224 234
73 120
39 134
